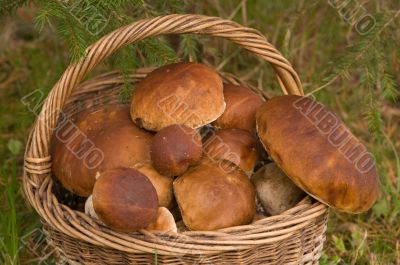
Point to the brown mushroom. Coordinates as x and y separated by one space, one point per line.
164 222
161 183
241 107
275 191
95 140
89 210
211 198
124 199
236 145
174 149
183 93
318 152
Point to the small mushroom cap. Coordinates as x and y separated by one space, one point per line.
276 192
174 149
210 197
318 152
241 107
161 183
164 222
93 141
236 145
124 199
183 93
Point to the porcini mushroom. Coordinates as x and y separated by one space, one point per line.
276 192
241 107
190 94
318 152
95 140
210 197
164 222
236 145
174 149
124 199
89 210
161 183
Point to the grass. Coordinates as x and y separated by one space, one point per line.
311 34
10 244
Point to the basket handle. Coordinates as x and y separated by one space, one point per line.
247 38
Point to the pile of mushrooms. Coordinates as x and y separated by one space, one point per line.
191 147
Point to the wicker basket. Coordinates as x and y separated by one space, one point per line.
294 237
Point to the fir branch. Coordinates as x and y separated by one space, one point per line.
189 47
389 87
171 6
71 20
149 10
368 76
48 10
42 19
68 27
126 61
116 4
75 38
374 118
358 53
370 79
157 52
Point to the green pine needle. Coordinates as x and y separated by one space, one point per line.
157 52
374 119
189 47
389 87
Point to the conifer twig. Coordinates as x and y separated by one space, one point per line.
333 79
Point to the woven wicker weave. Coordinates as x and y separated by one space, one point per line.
294 237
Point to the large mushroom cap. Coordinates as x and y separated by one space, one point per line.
190 94
95 140
211 198
241 107
125 199
318 152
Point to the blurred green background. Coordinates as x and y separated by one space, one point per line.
346 53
